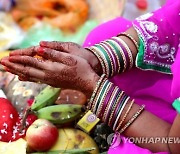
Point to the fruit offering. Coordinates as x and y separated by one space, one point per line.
60 114
15 147
45 98
41 135
69 96
44 134
70 138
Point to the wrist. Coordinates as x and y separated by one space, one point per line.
88 91
93 61
114 56
108 103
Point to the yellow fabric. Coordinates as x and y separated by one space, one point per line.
4 54
16 147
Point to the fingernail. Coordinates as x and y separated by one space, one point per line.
41 50
43 43
21 79
13 58
6 69
2 62
11 54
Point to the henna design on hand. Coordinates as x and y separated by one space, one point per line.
69 61
68 77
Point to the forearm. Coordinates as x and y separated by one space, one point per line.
175 133
111 104
148 126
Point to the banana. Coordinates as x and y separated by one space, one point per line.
60 114
46 97
71 151
70 138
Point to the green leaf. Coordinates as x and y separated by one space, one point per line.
71 151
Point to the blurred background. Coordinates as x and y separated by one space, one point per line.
24 23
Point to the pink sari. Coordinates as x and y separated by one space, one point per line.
154 89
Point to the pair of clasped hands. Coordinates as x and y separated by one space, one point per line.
59 64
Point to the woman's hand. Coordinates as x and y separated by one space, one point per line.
75 49
58 69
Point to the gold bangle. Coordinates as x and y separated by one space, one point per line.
102 102
132 119
97 94
128 51
109 104
95 91
103 65
104 60
131 38
114 109
114 51
125 115
121 52
109 57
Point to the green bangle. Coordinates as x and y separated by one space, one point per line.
176 105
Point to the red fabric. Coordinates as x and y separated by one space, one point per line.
142 4
10 122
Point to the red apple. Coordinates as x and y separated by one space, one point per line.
41 135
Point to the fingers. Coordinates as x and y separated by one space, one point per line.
4 59
28 51
13 72
30 79
60 46
22 71
57 56
53 45
30 61
45 72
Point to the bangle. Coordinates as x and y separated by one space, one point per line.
120 112
132 119
110 58
93 108
114 56
94 51
119 55
104 104
131 38
106 58
119 48
120 101
114 107
102 91
95 91
125 115
117 65
110 104
129 52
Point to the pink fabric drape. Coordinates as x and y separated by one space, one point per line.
156 90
